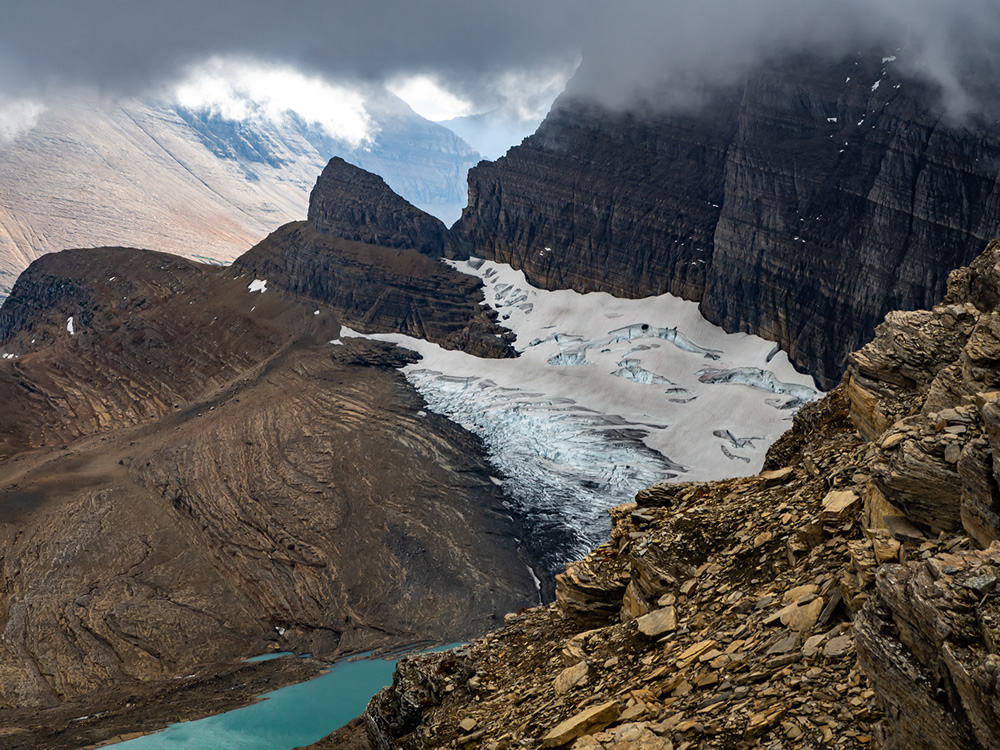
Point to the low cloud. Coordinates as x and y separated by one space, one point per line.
18 116
251 90
471 49
698 45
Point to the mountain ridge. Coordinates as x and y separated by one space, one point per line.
156 174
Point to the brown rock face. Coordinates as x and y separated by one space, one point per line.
379 289
928 638
925 390
801 205
188 476
357 205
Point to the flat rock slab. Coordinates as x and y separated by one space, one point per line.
586 722
777 476
803 618
658 622
838 504
571 677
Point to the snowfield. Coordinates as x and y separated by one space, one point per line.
607 396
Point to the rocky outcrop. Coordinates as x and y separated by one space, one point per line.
376 260
714 614
845 596
377 289
801 205
189 467
357 205
929 639
925 391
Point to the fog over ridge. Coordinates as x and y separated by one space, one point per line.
124 48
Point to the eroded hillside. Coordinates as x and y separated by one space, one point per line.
844 597
192 459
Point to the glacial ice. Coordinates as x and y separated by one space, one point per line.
737 442
630 369
763 380
675 337
730 455
571 358
573 348
559 464
589 414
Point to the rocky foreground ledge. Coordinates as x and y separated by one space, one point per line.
845 597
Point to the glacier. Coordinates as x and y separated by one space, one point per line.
607 396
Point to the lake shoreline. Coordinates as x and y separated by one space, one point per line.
135 710
119 715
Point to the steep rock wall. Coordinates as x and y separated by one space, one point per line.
358 205
801 205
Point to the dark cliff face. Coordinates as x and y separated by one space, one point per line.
380 289
357 205
801 205
376 259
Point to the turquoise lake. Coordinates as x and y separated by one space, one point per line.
290 717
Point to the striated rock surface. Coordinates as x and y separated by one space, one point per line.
929 637
358 205
378 289
376 260
188 467
845 597
801 205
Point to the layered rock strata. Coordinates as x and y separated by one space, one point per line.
190 464
847 596
378 289
357 205
801 205
376 259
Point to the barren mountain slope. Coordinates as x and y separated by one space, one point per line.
152 174
846 597
190 469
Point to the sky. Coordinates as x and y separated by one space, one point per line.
453 59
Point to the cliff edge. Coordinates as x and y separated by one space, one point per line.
801 205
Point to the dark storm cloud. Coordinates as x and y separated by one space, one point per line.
125 46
